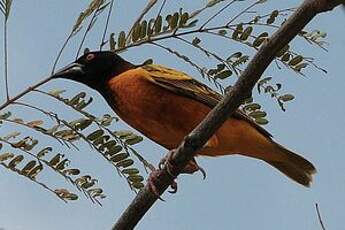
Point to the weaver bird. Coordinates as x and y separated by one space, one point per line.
165 105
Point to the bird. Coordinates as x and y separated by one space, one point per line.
165 105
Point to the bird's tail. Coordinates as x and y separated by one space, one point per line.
294 166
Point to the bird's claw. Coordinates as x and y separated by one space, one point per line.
173 186
152 181
190 168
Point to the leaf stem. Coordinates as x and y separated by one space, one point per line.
20 95
216 14
106 25
61 50
319 216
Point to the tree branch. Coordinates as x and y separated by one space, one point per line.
22 94
233 98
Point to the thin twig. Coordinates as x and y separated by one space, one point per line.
60 140
6 60
106 25
216 14
20 95
319 216
207 52
159 12
87 30
242 12
61 50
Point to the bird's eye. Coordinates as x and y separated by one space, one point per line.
89 57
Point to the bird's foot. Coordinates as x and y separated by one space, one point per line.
172 170
152 181
190 168
193 167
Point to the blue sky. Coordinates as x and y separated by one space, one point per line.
239 193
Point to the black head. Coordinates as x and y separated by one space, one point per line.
94 68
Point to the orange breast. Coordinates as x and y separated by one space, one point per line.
166 117
159 114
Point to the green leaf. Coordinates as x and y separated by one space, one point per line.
107 120
96 134
44 152
246 33
257 114
296 60
125 163
130 171
173 20
183 19
55 160
56 92
136 32
15 161
28 167
113 150
138 185
62 164
135 178
123 133
224 74
6 156
196 41
5 115
261 121
252 107
286 57
300 66
35 171
119 157
75 100
101 140
143 29
158 24
286 97
112 42
73 172
108 145
65 194
121 39
132 140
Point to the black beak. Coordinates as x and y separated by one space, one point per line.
70 71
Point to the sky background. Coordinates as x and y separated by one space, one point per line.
239 193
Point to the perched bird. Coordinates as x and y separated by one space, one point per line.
165 105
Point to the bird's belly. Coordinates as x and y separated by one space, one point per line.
167 118
159 114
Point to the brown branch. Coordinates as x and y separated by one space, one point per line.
241 90
319 216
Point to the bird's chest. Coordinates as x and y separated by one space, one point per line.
156 112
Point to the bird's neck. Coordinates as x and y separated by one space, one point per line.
101 85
